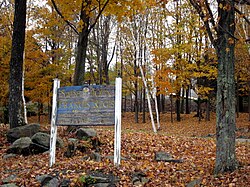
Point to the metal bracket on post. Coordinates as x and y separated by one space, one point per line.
118 111
53 131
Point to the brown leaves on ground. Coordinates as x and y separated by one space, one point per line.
183 140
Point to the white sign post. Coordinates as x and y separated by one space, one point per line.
53 131
117 121
118 111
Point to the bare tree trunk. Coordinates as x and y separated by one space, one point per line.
148 98
136 90
82 44
199 114
225 100
187 101
125 103
16 105
162 103
182 101
237 99
249 105
171 108
208 109
144 106
178 106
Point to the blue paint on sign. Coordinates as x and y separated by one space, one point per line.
86 105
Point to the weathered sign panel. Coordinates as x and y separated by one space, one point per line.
86 105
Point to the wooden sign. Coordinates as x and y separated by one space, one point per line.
89 105
86 105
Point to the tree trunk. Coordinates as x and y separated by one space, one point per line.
144 106
136 104
81 58
187 101
249 105
225 100
237 99
105 42
16 107
162 103
182 101
208 109
178 106
125 103
82 45
171 108
199 113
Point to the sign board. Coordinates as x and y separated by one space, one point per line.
86 105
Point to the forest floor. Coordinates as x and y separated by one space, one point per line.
189 140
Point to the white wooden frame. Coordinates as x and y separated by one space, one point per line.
118 107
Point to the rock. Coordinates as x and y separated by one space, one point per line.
7 156
43 179
98 179
23 131
9 185
52 183
100 185
85 133
209 136
37 148
93 156
21 146
139 179
47 181
9 179
95 143
72 145
59 142
73 140
65 183
43 139
242 140
194 183
112 158
162 156
166 157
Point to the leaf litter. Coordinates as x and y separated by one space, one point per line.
186 140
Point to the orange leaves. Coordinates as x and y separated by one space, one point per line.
139 145
161 55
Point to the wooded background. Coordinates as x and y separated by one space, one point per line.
168 39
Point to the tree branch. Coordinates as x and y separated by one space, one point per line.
60 14
112 56
210 14
99 14
206 23
240 13
243 2
230 34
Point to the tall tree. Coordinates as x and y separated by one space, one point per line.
86 20
224 45
16 109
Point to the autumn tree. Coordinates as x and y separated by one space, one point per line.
6 13
80 17
243 55
223 40
99 54
16 108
